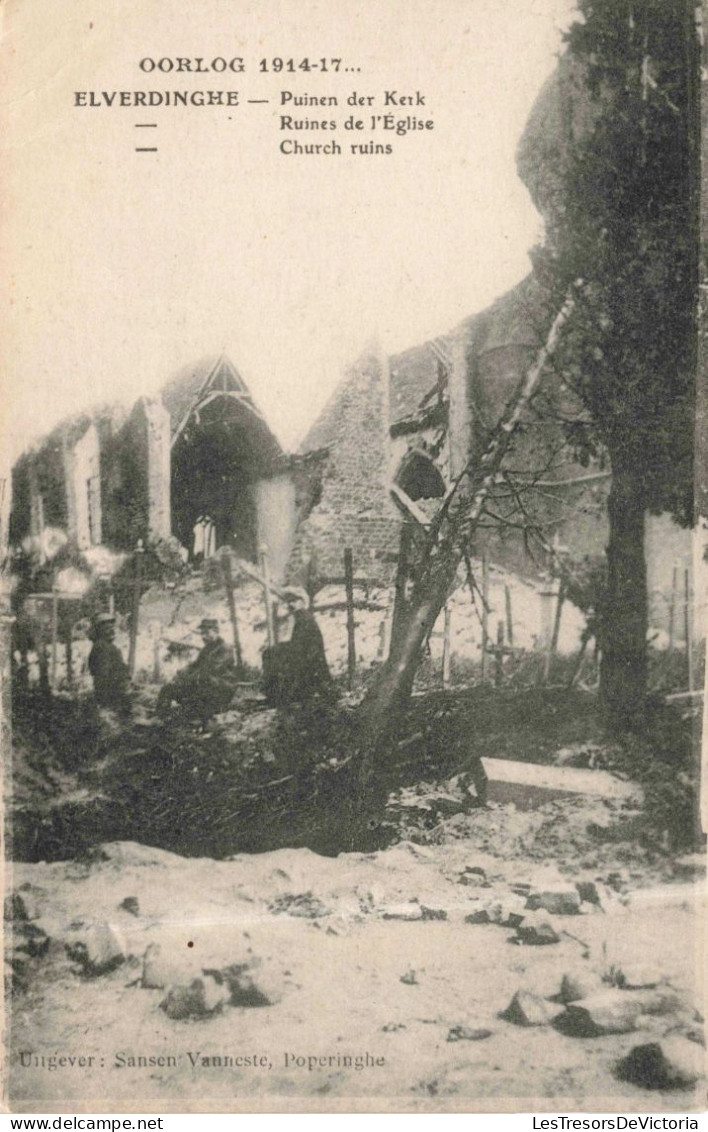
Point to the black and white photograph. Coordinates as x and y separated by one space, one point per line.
352 587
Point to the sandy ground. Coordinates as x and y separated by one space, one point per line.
349 976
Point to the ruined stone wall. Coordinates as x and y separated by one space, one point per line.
574 516
84 472
135 478
354 509
275 517
126 506
158 442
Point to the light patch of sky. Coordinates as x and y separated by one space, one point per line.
125 267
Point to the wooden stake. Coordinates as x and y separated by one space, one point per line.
579 662
672 609
485 612
398 616
687 627
553 643
40 643
156 665
55 629
135 611
509 619
229 586
69 658
499 656
265 574
351 641
446 659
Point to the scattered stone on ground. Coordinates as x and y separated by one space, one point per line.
162 966
474 876
673 1063
406 912
249 986
536 931
559 901
468 1034
576 985
300 904
22 904
29 939
587 891
636 976
319 927
98 949
196 999
479 914
527 1009
616 1011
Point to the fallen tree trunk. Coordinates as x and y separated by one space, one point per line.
449 535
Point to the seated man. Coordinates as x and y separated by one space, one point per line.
111 679
206 686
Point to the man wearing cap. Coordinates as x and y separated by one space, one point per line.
206 686
109 672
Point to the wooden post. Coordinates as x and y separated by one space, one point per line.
446 658
509 618
672 609
499 656
55 633
351 641
398 615
578 662
40 642
156 665
270 623
229 585
135 612
553 643
6 620
688 627
112 603
485 612
69 657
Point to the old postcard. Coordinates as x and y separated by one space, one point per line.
353 586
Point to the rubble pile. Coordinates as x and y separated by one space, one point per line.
255 936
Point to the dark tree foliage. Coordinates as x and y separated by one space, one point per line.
624 237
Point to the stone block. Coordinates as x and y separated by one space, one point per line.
408 912
536 931
528 1009
587 891
479 914
433 913
615 1011
512 911
196 999
98 949
576 985
164 966
21 905
559 901
29 940
468 1034
635 976
673 1063
251 985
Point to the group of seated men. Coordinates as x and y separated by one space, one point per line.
207 686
